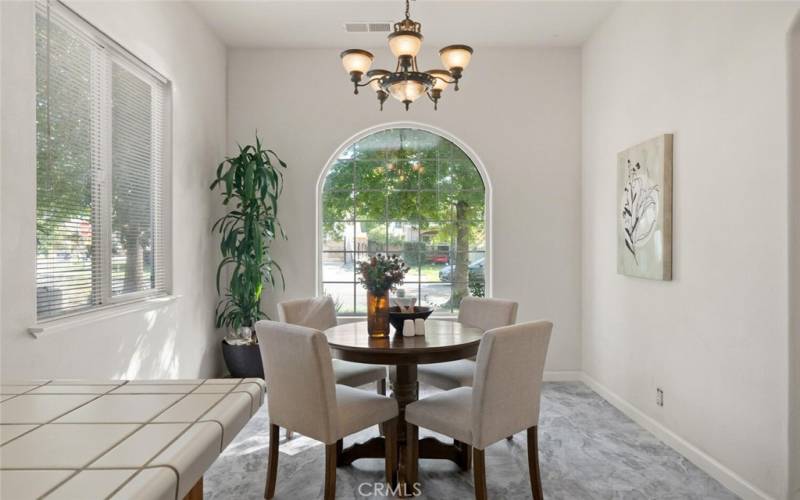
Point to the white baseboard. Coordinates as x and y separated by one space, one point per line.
563 376
712 467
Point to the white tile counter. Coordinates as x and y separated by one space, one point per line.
73 439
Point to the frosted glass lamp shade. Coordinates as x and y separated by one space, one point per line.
456 56
405 43
356 61
407 90
442 78
376 74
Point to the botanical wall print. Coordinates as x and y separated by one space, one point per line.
644 211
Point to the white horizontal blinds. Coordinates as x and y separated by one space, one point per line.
136 131
69 92
100 167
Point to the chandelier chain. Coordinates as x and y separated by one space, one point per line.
408 9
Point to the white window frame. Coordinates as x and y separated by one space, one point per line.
112 305
471 154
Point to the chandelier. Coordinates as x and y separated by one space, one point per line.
406 83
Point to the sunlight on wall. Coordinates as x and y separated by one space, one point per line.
155 350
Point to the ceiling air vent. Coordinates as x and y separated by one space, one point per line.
369 27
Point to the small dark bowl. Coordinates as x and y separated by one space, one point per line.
396 318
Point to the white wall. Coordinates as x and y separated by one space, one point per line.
794 258
173 340
518 109
715 339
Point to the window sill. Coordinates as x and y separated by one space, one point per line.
111 311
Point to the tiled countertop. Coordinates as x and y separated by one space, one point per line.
154 439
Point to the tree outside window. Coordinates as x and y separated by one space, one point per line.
408 192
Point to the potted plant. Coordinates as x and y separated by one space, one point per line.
250 184
378 275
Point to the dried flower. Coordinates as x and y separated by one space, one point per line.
381 273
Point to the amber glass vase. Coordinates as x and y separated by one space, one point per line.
378 314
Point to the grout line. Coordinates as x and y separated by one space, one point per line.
231 389
79 469
165 447
118 442
123 394
98 396
221 429
24 393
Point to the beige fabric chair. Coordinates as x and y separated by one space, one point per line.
504 400
478 312
302 396
320 313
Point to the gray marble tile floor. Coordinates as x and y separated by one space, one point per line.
588 450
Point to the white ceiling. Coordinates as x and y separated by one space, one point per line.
480 23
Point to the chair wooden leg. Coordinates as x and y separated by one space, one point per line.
272 461
479 468
533 463
382 387
330 471
390 447
412 456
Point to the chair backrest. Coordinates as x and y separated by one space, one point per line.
487 313
508 381
301 390
318 312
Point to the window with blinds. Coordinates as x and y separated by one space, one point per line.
100 219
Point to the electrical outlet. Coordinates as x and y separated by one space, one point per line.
659 397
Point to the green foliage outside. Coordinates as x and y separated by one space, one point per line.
63 135
69 167
415 178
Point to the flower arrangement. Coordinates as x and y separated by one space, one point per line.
381 273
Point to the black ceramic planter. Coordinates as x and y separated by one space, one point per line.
243 361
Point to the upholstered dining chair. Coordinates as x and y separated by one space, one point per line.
503 400
473 311
302 396
320 313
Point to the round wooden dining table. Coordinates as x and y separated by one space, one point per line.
443 341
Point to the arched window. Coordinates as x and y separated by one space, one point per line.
409 192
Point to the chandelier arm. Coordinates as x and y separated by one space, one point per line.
406 83
449 82
367 82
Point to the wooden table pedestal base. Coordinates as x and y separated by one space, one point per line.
405 389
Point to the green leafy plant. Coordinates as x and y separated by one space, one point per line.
250 184
381 273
